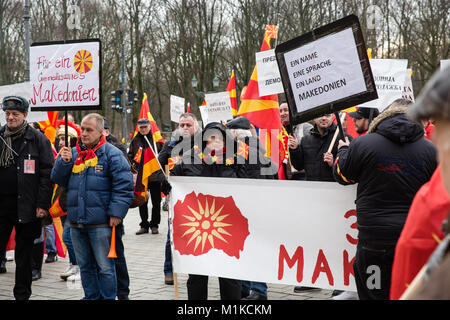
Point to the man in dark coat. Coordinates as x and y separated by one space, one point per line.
26 161
182 140
312 153
390 163
136 146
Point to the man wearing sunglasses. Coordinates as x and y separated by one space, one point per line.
26 161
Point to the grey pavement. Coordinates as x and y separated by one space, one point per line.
145 260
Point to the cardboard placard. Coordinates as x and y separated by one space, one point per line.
176 108
269 79
389 76
326 70
65 75
218 106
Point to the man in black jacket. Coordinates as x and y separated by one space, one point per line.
390 163
139 143
182 140
26 160
312 153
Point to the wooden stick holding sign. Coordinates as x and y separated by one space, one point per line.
175 278
415 285
338 130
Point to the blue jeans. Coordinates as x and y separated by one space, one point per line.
98 272
123 280
255 287
68 242
50 239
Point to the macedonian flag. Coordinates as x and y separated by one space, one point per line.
263 112
145 114
231 88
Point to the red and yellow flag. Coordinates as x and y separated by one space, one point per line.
145 114
49 126
231 88
263 112
271 31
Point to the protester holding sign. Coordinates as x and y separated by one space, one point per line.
26 160
390 163
312 153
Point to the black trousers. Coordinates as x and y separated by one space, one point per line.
373 268
25 235
155 195
197 288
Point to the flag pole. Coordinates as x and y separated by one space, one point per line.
338 130
175 277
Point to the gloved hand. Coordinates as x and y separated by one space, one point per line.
165 187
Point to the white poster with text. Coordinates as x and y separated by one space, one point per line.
325 70
218 106
176 108
269 79
389 76
65 75
238 229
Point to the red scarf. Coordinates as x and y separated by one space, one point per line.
87 158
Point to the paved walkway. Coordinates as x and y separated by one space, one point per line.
145 260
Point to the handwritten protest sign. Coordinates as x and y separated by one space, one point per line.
269 79
218 106
231 232
389 75
326 70
176 108
22 90
65 75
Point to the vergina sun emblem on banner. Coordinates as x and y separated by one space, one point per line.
206 222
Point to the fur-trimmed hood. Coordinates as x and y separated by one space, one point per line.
394 124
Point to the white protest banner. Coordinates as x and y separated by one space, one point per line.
408 91
65 75
445 64
269 79
389 75
218 106
240 229
325 70
176 108
23 90
204 115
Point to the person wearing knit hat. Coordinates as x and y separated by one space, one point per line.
26 161
61 136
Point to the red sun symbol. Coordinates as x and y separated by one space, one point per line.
205 222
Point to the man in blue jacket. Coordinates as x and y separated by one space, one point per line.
99 192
